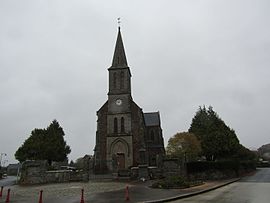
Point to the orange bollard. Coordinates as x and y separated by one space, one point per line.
1 191
82 197
8 196
40 196
127 194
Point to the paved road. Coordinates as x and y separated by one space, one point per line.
8 181
253 189
56 193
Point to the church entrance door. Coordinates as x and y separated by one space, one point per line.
121 160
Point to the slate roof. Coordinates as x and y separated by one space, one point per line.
119 56
152 119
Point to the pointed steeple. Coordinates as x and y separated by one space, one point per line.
119 57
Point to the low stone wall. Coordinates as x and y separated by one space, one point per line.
35 172
155 172
172 167
152 173
219 169
60 176
134 174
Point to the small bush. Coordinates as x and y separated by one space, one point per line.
248 165
225 167
172 182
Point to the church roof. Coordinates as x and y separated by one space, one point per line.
152 119
119 56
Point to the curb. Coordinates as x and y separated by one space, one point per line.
192 193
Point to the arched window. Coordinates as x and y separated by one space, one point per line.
115 125
114 80
122 80
122 125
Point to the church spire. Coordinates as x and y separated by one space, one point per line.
119 57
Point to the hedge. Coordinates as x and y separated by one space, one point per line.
228 165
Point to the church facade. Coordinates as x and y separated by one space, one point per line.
125 136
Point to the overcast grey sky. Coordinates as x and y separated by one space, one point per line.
54 57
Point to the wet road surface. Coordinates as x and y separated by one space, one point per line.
252 189
8 181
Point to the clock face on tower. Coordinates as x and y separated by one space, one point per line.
118 102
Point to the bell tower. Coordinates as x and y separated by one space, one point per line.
125 136
119 134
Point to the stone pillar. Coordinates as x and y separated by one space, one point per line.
142 152
143 167
143 172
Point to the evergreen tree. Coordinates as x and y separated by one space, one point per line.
244 154
44 144
218 141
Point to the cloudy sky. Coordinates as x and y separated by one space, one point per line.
54 56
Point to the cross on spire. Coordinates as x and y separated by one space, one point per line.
119 22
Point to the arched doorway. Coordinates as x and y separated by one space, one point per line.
119 152
120 157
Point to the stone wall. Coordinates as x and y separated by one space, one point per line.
173 167
152 173
61 176
35 172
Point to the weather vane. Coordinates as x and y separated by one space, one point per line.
119 21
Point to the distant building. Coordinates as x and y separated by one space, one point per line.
125 136
12 169
264 152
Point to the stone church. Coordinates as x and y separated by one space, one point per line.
125 136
